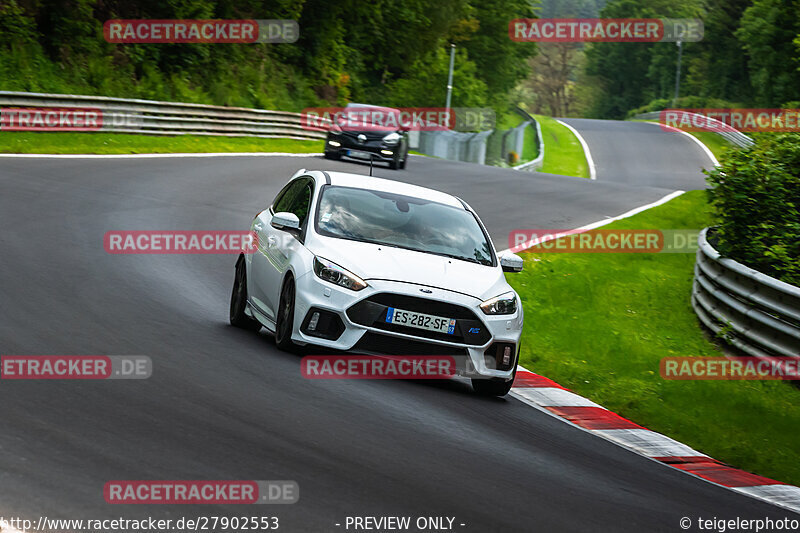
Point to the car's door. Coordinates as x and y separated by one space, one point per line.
277 247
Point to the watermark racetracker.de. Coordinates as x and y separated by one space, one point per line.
604 241
65 119
608 30
730 368
378 367
181 242
75 367
200 31
384 119
729 120
196 492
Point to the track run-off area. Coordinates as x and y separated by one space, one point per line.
223 403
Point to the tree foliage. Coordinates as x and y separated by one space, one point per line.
748 55
756 199
380 51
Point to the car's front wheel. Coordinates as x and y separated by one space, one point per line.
394 164
492 387
237 316
285 318
495 386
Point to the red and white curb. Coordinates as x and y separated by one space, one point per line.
548 396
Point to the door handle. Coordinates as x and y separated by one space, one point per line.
272 240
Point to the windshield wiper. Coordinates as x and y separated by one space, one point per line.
453 256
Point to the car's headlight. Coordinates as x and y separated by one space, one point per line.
337 275
392 138
505 304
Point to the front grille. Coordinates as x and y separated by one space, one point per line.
372 311
375 343
370 135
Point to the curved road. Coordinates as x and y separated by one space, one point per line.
641 153
226 404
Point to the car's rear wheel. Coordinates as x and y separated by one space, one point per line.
237 316
285 319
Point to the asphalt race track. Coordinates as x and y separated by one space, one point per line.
638 153
226 404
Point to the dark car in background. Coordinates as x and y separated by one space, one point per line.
371 132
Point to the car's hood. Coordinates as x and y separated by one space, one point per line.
372 261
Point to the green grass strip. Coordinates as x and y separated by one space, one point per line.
600 323
563 153
118 143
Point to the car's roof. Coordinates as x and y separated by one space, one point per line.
353 105
345 179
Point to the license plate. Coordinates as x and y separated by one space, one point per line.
420 321
358 154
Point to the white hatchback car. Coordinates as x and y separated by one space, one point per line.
375 266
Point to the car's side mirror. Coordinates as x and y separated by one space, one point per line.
511 262
285 221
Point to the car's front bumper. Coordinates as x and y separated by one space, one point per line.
491 333
345 146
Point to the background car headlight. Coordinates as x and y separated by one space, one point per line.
505 304
392 138
337 275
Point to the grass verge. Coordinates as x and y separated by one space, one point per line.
600 323
563 153
713 142
120 143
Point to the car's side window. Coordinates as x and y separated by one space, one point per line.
295 199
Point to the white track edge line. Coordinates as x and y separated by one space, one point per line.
705 148
626 214
586 152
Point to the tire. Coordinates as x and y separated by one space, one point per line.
495 386
333 156
394 164
285 317
236 314
492 387
403 163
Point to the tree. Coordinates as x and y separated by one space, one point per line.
766 32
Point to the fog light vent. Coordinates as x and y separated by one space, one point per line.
312 324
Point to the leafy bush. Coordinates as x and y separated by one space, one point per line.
684 102
756 199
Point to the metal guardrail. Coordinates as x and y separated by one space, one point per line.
729 134
152 117
536 163
754 312
453 145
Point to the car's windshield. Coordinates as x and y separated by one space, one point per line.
402 221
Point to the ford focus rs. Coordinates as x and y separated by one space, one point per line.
374 266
